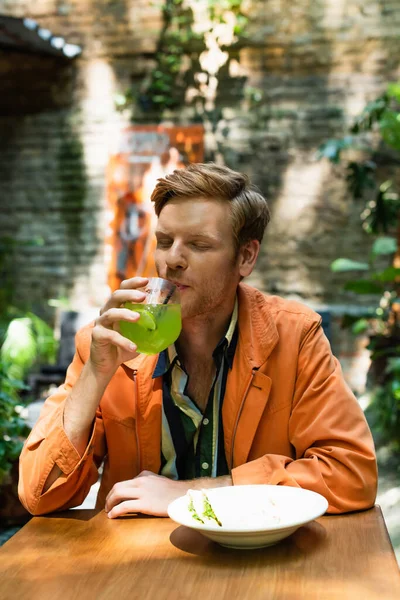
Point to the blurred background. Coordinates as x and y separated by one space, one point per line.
98 98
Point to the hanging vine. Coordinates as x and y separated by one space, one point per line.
178 58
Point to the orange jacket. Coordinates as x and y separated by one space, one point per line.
288 418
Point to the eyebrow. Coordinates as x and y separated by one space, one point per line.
192 236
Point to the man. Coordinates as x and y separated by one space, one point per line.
249 394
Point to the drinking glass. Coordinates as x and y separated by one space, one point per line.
160 322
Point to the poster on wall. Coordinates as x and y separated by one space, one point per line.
143 154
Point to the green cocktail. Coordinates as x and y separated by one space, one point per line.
158 327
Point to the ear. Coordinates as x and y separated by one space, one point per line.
248 254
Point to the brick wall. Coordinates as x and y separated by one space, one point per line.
316 63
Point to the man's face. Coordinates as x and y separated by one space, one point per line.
196 251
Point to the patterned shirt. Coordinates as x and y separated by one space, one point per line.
192 443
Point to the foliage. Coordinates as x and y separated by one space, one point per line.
177 58
376 280
13 429
25 340
376 134
386 403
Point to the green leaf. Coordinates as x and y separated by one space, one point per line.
46 343
360 177
363 286
390 128
371 114
332 148
348 321
360 326
393 91
341 265
27 340
19 347
393 365
384 245
389 274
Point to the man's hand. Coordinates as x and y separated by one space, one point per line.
109 348
147 493
151 494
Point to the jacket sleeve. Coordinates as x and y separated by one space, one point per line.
48 445
333 446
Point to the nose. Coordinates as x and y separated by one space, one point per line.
175 258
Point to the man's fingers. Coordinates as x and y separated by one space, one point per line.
147 493
124 490
123 295
126 508
114 315
102 334
134 282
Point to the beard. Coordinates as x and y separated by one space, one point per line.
208 299
209 293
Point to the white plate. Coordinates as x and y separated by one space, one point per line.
253 516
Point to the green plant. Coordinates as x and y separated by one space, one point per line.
368 151
373 140
25 341
13 428
377 280
28 341
177 58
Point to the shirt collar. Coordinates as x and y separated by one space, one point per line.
169 357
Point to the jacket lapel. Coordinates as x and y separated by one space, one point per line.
237 384
250 416
248 388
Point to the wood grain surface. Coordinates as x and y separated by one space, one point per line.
84 555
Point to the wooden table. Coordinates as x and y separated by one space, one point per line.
84 555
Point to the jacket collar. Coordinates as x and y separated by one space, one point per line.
248 387
258 334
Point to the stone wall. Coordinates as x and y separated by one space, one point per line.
314 64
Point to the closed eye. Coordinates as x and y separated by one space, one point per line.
201 247
164 243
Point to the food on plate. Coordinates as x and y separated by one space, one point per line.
237 515
192 509
200 507
209 512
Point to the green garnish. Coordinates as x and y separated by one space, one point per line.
147 319
193 511
209 512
